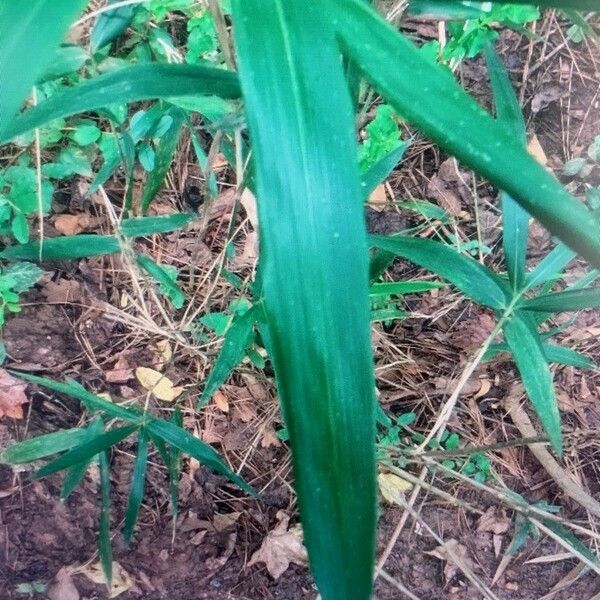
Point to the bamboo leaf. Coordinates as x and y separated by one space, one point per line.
110 25
382 169
145 226
42 446
550 266
164 157
86 450
427 95
469 276
530 359
578 299
138 480
167 281
104 546
553 352
30 31
232 352
64 248
515 218
314 268
129 84
403 287
202 452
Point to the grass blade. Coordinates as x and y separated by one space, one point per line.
145 226
202 452
403 287
64 248
164 157
90 401
30 31
104 545
130 84
427 95
515 218
136 494
77 472
570 300
532 364
469 276
315 275
381 170
550 266
86 450
232 352
42 446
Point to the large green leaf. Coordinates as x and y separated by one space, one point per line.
64 248
29 33
469 276
514 217
427 95
314 268
570 300
531 361
129 84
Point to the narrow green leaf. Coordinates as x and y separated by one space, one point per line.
550 266
91 401
76 473
129 84
382 169
136 494
30 31
469 276
202 452
578 299
553 352
168 285
64 248
531 362
515 218
42 446
104 545
232 352
145 226
86 450
315 276
164 157
403 287
576 4
110 25
427 95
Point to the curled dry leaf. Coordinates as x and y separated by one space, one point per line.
165 353
281 547
158 384
393 487
453 553
72 224
12 396
63 587
121 580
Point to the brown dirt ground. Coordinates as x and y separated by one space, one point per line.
84 321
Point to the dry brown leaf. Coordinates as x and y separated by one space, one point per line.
221 402
378 198
281 547
62 291
223 522
244 411
536 150
449 550
165 353
248 201
446 198
72 224
269 439
494 521
63 588
393 487
121 580
12 396
161 386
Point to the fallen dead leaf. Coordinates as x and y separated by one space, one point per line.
223 522
63 588
121 580
158 384
449 550
72 224
536 150
12 396
165 353
548 93
393 487
62 291
248 201
281 547
378 198
221 402
269 439
494 521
